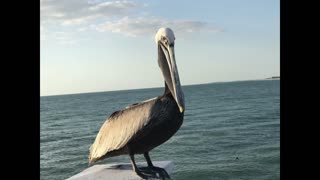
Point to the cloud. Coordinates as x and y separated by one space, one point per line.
82 29
134 27
80 20
116 7
64 38
76 12
108 16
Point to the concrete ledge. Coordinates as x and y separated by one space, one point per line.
119 171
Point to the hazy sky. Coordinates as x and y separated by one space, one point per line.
99 45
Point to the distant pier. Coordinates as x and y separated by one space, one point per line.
274 77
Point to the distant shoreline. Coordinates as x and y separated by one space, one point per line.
274 77
271 78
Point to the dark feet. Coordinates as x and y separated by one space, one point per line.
163 173
153 173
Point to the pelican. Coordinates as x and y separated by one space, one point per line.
139 128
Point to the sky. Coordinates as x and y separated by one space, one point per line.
100 45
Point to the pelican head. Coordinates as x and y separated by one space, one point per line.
166 59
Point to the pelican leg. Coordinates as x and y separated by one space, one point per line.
162 172
144 173
146 155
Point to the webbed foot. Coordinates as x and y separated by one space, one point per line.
153 173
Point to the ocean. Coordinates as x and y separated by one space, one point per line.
231 131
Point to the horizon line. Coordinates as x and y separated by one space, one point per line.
154 87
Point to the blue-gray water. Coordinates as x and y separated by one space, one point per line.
230 131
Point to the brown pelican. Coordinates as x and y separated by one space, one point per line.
139 128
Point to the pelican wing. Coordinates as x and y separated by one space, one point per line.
119 128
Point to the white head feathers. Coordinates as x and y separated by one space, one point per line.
165 32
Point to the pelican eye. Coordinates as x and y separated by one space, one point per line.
165 40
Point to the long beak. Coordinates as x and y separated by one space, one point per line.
176 89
